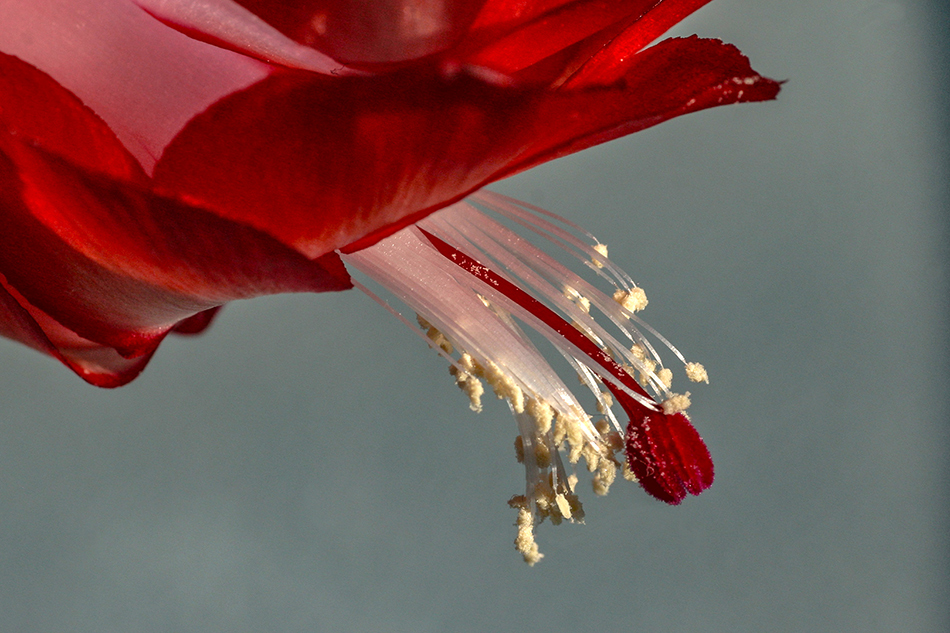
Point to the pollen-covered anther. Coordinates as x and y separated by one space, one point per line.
591 456
648 366
559 432
697 373
544 501
524 541
639 352
434 335
676 403
556 505
504 386
474 389
542 414
577 298
469 384
628 473
482 298
568 428
633 300
563 505
606 474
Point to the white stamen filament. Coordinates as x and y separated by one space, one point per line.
475 327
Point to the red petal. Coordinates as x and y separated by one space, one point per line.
355 157
144 79
320 162
91 259
198 323
36 109
380 31
665 452
603 61
98 365
228 25
505 36
121 266
509 38
676 77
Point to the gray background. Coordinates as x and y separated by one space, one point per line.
308 466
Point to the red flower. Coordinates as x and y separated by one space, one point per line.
161 158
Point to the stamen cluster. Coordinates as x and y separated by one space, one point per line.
473 279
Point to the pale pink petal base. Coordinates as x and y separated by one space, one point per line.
231 26
122 62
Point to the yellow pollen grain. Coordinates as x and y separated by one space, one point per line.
542 413
697 373
591 456
577 298
524 541
473 389
572 481
470 386
575 438
574 454
627 473
544 500
604 402
676 403
666 377
516 397
606 474
634 301
467 363
504 387
601 249
638 352
435 335
563 505
560 428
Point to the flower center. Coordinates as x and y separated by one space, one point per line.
471 273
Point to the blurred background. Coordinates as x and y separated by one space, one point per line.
307 465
